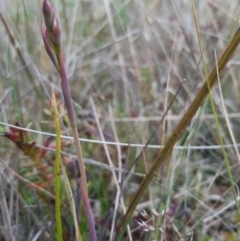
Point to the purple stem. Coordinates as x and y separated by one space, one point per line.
66 90
89 215
69 107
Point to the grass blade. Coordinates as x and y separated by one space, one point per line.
202 94
214 112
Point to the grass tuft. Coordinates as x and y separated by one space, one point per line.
146 146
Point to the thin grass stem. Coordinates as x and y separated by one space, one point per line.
57 171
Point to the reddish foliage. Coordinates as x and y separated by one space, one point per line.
35 153
20 138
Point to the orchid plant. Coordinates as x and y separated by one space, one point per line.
52 40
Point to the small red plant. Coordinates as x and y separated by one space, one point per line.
31 150
20 138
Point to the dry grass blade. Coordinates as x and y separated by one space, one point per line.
19 53
202 94
113 173
5 214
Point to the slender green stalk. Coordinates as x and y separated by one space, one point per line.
202 94
57 171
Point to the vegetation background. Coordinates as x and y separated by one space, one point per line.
125 62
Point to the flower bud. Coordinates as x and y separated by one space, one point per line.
53 32
48 13
56 33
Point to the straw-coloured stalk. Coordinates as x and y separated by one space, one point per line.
52 41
